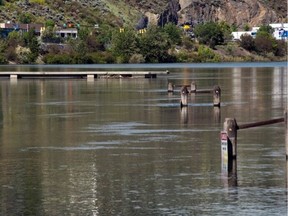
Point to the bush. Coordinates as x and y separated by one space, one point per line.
187 43
25 18
58 59
10 54
137 58
205 54
186 56
281 48
3 59
247 42
264 43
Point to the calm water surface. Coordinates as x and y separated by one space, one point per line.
124 146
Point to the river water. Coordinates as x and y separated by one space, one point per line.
124 146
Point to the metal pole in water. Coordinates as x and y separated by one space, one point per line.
184 96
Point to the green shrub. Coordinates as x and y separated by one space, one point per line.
58 59
137 58
207 55
25 18
3 59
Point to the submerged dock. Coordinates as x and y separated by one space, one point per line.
80 74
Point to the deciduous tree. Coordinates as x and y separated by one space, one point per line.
209 33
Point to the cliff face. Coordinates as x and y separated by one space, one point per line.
128 12
238 12
232 11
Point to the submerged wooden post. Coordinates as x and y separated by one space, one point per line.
184 115
193 87
184 96
230 127
170 87
216 96
286 123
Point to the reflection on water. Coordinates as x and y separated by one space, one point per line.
125 147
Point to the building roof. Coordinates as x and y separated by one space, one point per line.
22 26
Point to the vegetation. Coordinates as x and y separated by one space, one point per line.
264 43
152 45
210 34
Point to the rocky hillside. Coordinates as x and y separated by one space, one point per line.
129 12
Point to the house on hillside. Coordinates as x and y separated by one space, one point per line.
67 33
6 28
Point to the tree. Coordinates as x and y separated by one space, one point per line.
265 29
104 37
25 18
31 41
264 42
226 30
154 45
124 44
210 34
174 33
83 33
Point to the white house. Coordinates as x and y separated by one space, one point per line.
67 32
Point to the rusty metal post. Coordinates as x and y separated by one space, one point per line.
216 96
193 87
170 87
231 127
184 96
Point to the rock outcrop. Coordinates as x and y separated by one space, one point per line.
124 12
239 13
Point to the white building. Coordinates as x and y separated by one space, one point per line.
67 33
237 35
280 31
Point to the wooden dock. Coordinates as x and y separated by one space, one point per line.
89 75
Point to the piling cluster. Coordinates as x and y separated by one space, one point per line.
230 127
192 89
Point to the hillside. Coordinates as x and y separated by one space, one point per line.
128 12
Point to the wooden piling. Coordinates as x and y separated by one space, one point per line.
193 87
170 87
261 123
216 96
286 123
184 96
184 115
230 127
